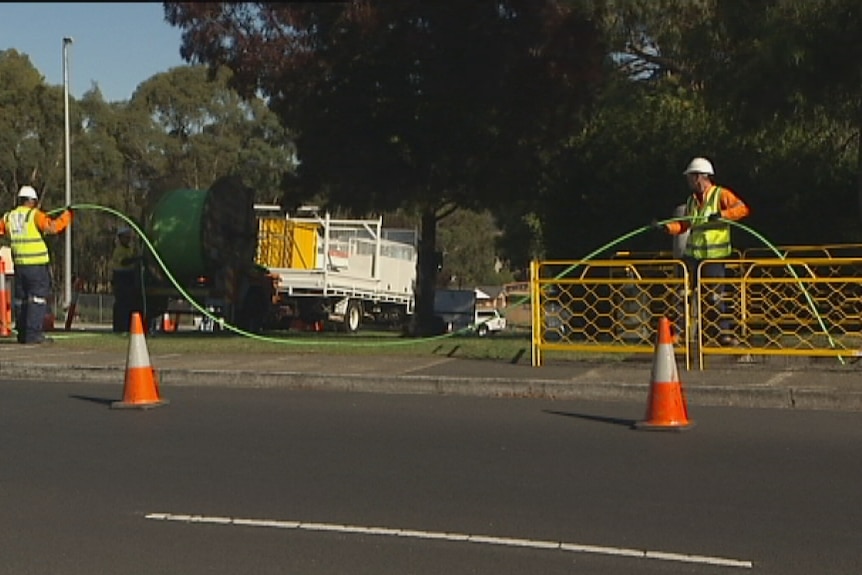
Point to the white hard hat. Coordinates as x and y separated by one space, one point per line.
699 166
124 230
27 192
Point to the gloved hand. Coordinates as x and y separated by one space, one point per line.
714 217
69 209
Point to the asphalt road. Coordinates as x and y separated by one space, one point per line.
230 480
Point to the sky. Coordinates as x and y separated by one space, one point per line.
116 45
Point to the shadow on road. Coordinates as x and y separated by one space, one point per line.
599 418
99 400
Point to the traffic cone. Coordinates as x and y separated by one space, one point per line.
5 303
169 325
666 405
141 389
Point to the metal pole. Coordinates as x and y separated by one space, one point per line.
67 273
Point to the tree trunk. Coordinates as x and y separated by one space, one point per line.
426 275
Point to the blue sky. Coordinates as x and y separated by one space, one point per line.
117 45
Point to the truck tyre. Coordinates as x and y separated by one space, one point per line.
482 330
353 316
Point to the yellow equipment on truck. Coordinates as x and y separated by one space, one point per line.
337 271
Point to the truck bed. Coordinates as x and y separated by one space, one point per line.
326 283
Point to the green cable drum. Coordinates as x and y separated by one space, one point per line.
175 232
198 232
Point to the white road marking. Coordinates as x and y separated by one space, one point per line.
483 539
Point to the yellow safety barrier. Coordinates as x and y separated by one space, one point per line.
606 305
801 251
792 307
770 306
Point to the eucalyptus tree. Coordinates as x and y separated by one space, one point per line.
468 242
31 130
205 130
98 179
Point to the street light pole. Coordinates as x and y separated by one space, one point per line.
67 273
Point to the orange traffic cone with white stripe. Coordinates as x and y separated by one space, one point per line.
141 389
666 405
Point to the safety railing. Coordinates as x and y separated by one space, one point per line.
791 306
606 306
803 251
770 306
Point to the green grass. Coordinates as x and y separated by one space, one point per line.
511 346
497 347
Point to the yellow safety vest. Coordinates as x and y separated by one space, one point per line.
122 252
707 240
28 246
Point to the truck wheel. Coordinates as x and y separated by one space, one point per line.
482 330
353 316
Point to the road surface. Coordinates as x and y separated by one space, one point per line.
227 480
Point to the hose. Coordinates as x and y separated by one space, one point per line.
220 321
409 341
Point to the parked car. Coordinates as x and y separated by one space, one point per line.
488 322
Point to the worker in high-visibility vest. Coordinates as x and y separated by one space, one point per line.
125 280
26 226
709 236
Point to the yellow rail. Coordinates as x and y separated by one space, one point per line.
805 306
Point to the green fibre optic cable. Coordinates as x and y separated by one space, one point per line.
608 246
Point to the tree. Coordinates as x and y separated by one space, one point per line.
796 64
425 106
203 130
778 83
468 245
31 129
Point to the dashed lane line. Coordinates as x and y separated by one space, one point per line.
462 537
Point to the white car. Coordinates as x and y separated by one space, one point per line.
489 321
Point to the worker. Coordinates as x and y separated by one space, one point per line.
125 280
26 226
707 210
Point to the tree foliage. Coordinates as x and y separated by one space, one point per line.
203 130
427 106
466 262
31 129
777 83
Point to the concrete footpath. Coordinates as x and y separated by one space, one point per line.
801 383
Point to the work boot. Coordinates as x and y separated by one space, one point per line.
41 340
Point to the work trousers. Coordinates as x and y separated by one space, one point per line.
32 291
127 298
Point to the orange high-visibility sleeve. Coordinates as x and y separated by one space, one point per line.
732 207
49 225
678 227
